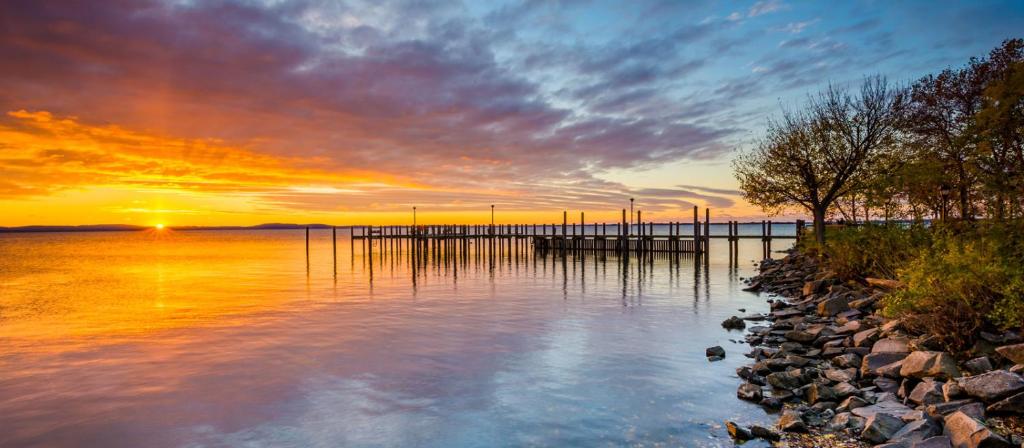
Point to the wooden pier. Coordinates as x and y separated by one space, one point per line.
624 237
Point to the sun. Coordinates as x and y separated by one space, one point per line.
160 226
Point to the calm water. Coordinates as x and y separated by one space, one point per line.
220 338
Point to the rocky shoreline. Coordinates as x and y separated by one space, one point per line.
839 374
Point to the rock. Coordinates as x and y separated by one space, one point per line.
951 390
832 306
841 375
820 392
851 403
883 283
978 365
865 338
893 408
843 390
790 379
927 392
845 420
924 364
800 336
772 403
966 432
891 345
1017 368
886 384
764 433
792 422
714 351
814 287
992 386
939 410
749 392
890 370
874 361
974 410
734 323
933 442
1013 403
1015 353
879 427
737 432
917 431
847 360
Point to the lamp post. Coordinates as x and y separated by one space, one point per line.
630 232
944 190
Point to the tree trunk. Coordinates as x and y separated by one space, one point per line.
819 225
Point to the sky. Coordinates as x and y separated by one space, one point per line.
344 112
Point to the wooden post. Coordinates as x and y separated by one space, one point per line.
565 223
622 226
707 229
334 247
583 227
307 248
696 231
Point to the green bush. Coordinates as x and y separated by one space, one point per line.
872 250
964 282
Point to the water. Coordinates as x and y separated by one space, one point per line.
224 338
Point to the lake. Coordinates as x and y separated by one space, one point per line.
227 338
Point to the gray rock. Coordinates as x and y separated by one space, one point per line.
764 433
841 375
843 390
917 431
734 323
865 338
924 364
891 370
832 306
933 442
845 420
894 408
1013 403
874 361
880 427
1015 353
738 432
749 392
939 410
886 384
791 421
927 392
992 386
951 390
966 432
820 392
714 351
790 379
978 365
847 360
851 403
896 344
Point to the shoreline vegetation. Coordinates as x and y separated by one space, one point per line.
886 334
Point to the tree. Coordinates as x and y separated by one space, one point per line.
810 159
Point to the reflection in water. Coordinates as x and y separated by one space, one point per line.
229 338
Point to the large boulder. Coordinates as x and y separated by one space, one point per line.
841 375
1015 353
865 338
924 364
966 432
818 392
880 426
992 386
790 379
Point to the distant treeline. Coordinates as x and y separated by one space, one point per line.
130 228
949 145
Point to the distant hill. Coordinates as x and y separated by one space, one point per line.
129 228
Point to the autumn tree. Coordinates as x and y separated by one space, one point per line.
810 159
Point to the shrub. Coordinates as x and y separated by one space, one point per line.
873 250
966 281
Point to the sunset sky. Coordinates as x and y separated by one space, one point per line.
222 113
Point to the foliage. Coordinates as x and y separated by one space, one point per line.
873 250
966 281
